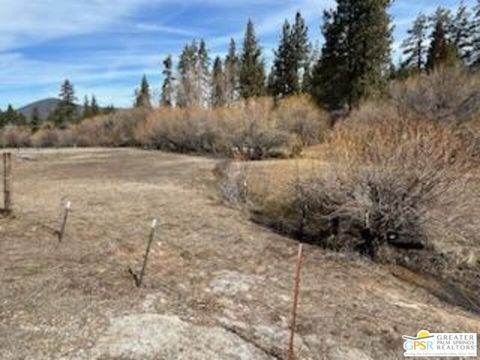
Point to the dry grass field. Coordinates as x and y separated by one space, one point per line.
217 285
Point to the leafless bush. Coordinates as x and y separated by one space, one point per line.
115 129
252 130
450 94
403 184
14 136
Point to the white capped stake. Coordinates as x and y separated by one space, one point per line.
68 205
154 223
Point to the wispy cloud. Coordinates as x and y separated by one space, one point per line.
26 22
104 46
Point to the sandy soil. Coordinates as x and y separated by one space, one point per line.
211 268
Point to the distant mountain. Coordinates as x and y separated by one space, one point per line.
44 108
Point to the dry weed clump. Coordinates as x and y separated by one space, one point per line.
14 136
251 130
112 130
388 183
449 94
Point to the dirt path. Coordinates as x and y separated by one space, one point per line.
217 285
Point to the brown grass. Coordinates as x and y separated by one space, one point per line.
386 183
251 130
450 94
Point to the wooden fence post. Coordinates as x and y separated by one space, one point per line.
139 279
61 232
7 182
293 323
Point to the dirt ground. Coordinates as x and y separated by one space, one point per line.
217 285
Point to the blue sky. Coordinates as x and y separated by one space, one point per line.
104 46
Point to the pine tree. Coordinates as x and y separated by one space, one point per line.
86 108
203 75
35 120
142 95
476 37
66 110
231 74
168 80
414 46
186 88
441 51
307 77
356 54
283 79
109 109
291 59
462 29
302 49
12 117
252 71
218 84
94 108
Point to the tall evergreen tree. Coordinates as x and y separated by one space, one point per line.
94 108
291 59
168 80
66 110
142 95
307 77
476 36
462 30
203 75
86 108
302 48
35 120
252 70
218 84
283 79
356 54
441 51
231 73
414 46
186 89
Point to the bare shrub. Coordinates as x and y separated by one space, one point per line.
15 136
403 184
251 130
47 136
115 129
449 94
300 116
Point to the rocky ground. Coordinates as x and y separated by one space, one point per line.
217 285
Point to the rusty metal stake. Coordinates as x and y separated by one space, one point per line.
7 182
61 232
293 323
139 278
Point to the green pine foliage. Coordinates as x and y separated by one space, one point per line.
462 32
415 45
231 73
442 51
35 120
252 68
356 55
66 111
218 84
168 79
142 94
12 117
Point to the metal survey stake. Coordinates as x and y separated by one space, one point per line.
61 232
139 279
293 323
7 182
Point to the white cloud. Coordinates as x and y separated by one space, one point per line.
26 22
